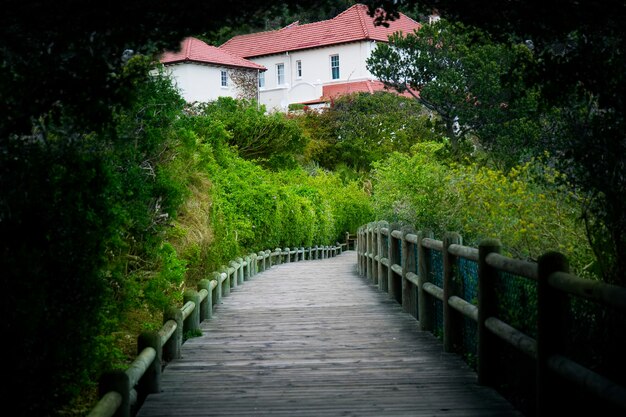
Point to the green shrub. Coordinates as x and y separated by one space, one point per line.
414 189
362 128
523 208
271 138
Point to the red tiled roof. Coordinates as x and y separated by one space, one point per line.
194 50
332 91
352 25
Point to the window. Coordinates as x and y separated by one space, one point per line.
280 74
334 67
261 79
224 78
299 69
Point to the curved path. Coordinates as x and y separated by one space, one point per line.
312 338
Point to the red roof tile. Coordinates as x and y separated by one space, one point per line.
332 91
352 25
194 50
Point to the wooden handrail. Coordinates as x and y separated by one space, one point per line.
118 391
371 256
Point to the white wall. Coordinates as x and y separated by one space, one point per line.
200 82
316 71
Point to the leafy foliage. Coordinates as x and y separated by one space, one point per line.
272 138
472 83
580 70
524 208
361 128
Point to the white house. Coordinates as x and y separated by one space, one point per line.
306 62
203 72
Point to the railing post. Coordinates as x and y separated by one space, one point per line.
171 348
252 265
206 306
117 381
487 278
240 273
150 383
268 255
381 250
375 254
217 294
279 257
369 241
288 257
408 265
261 257
451 319
363 250
394 249
425 303
552 306
192 322
226 283
234 276
359 257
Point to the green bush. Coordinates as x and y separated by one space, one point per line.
523 208
414 189
362 128
270 138
83 216
254 208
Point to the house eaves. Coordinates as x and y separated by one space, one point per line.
193 50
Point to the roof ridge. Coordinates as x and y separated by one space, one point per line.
188 43
349 9
351 25
366 33
196 50
293 25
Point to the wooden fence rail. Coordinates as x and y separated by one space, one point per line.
396 259
123 392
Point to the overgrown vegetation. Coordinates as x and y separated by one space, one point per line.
117 195
525 208
362 128
112 226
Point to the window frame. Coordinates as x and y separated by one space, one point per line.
261 79
299 68
334 67
224 78
280 72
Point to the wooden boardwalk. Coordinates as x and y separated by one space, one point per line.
313 338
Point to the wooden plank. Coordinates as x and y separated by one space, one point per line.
312 338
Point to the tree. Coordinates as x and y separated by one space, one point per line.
361 128
470 82
67 56
580 69
79 156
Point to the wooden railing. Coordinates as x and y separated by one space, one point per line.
395 258
123 392
350 241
